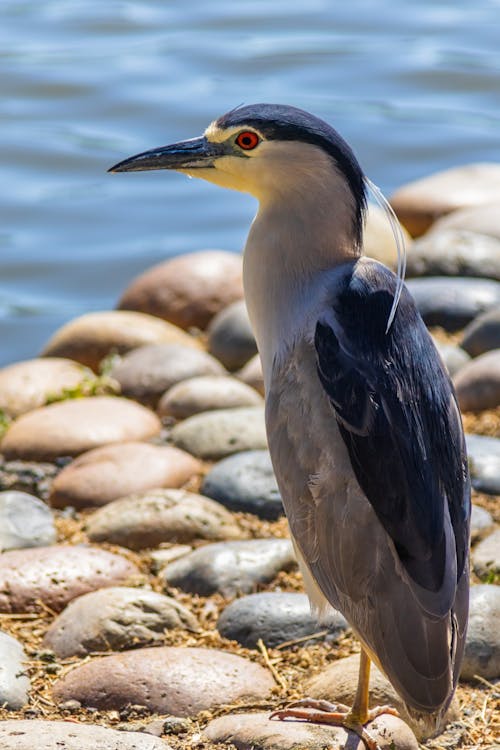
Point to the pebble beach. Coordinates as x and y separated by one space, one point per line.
150 597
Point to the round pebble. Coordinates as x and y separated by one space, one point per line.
14 682
454 357
378 237
230 568
215 434
484 462
486 556
93 336
477 384
25 521
419 203
167 680
187 290
68 428
245 482
482 219
257 731
276 618
156 516
105 474
56 575
251 374
230 336
37 734
24 386
115 619
482 647
481 523
453 302
483 334
147 372
206 393
455 252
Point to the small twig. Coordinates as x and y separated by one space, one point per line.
278 678
22 616
485 682
319 634
483 711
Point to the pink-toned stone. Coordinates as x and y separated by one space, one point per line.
104 474
378 237
27 385
251 374
482 219
38 734
68 428
257 731
206 393
420 203
187 290
93 336
478 382
168 680
55 575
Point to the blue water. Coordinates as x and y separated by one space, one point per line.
414 86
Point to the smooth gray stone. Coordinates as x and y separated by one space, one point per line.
452 302
453 357
38 734
114 619
245 482
483 333
455 252
14 684
477 385
484 463
230 336
25 521
482 647
230 568
486 556
276 617
481 523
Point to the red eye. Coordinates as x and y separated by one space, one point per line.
247 140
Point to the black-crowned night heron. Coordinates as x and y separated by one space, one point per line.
363 426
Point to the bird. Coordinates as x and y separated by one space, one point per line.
363 426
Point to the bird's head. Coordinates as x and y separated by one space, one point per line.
271 151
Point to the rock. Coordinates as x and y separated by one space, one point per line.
14 683
478 383
25 521
251 374
453 357
29 734
453 302
215 434
114 619
206 393
230 568
68 428
27 385
105 474
92 337
481 523
56 575
482 647
486 556
484 463
455 252
187 290
161 557
480 219
245 482
419 203
180 681
483 334
257 731
338 682
147 372
155 516
276 617
378 238
230 336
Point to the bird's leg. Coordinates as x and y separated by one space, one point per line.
323 712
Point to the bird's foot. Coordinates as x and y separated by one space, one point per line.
339 715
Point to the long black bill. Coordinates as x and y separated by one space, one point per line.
192 154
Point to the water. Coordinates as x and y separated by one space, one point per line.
413 86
